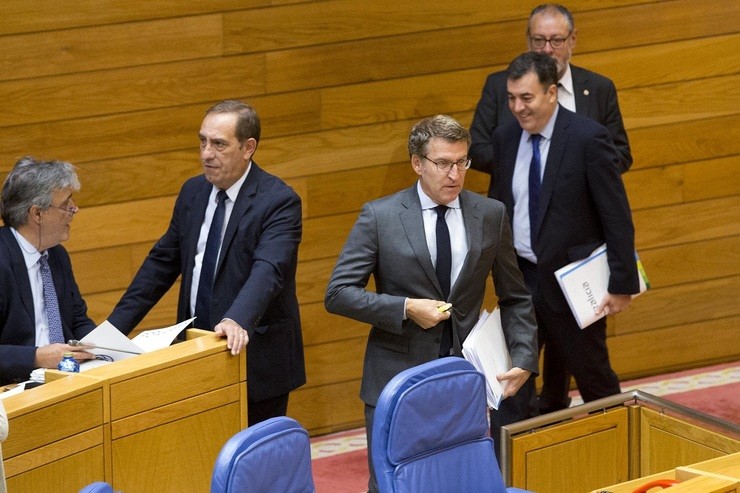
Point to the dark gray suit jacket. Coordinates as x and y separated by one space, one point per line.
388 242
254 283
596 97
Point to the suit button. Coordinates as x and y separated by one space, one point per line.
437 339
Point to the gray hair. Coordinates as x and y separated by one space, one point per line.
439 127
552 8
247 123
33 182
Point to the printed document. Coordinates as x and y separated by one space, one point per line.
485 347
585 282
112 345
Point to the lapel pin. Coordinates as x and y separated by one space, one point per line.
585 92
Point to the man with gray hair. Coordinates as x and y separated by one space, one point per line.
40 304
431 244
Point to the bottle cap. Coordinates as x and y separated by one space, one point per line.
67 355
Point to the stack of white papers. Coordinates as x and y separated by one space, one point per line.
485 347
112 345
585 283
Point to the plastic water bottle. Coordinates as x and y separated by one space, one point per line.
68 363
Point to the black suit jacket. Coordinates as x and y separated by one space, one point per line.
583 202
596 97
254 283
17 316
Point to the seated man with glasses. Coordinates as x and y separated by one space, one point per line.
551 30
40 304
430 246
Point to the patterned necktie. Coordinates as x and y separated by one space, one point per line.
51 303
443 270
208 266
534 188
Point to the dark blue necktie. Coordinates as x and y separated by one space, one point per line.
534 188
208 266
51 303
443 270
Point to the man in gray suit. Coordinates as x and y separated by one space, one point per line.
425 246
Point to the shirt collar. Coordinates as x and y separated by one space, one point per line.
566 81
546 132
233 191
31 258
428 203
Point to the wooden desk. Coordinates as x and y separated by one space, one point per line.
720 475
155 422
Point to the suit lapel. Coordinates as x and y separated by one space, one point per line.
474 232
413 224
582 92
558 144
18 265
244 202
193 222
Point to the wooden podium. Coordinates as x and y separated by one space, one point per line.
155 422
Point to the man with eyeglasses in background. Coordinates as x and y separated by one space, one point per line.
551 30
40 305
432 244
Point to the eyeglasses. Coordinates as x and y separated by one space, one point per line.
446 166
71 211
538 42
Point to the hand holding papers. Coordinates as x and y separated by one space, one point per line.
485 347
585 283
109 341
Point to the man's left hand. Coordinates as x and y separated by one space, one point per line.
614 303
512 380
236 337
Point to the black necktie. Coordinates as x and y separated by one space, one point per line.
208 266
443 270
534 188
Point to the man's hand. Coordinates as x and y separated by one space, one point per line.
512 380
236 337
614 303
50 355
425 313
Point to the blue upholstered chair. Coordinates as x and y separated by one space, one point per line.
271 456
97 487
430 432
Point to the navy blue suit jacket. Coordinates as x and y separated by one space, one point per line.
583 202
595 95
254 283
17 316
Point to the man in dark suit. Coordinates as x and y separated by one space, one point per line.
398 240
551 30
234 239
576 202
38 317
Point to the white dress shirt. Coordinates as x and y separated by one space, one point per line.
566 93
31 258
520 186
231 193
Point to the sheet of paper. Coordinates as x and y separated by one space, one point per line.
485 347
151 340
112 342
585 283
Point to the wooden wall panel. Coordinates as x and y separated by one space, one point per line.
121 93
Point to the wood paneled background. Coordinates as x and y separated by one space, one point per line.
119 88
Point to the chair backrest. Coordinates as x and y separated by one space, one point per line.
271 456
97 487
430 431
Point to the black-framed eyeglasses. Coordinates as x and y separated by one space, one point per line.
538 42
70 210
446 166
